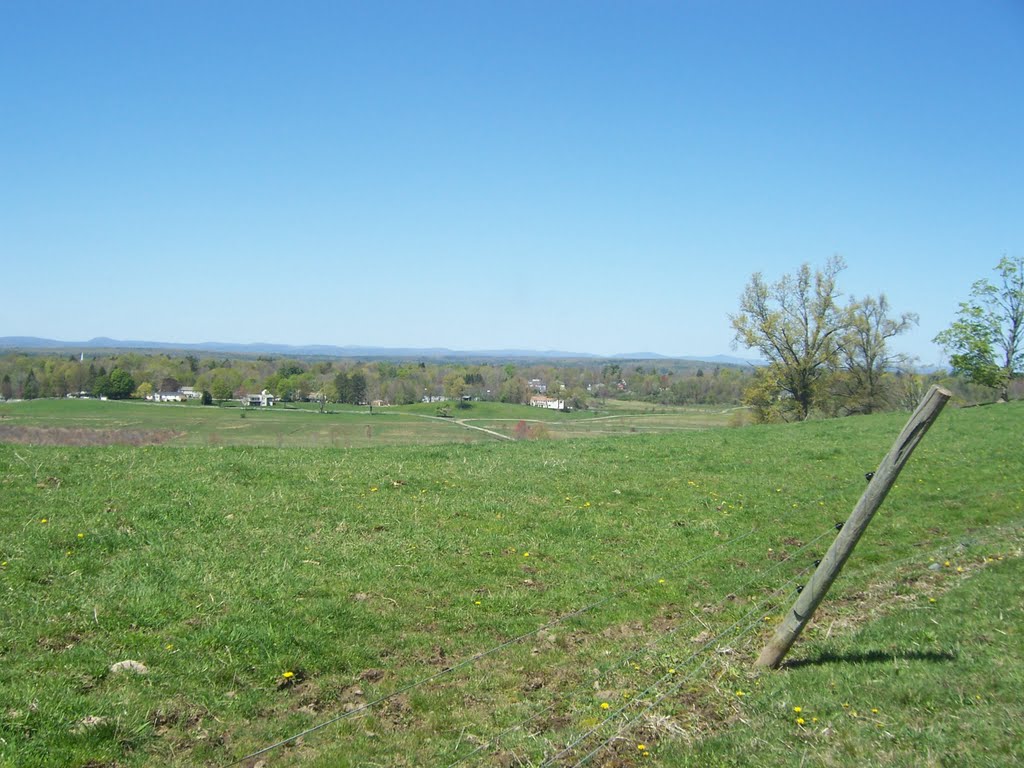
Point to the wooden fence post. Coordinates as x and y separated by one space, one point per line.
878 487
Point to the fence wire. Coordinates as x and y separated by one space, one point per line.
758 610
652 647
483 654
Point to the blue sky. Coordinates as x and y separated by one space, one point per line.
589 176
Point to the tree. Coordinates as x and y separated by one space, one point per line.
6 388
796 325
342 388
865 355
224 382
357 388
351 388
514 391
762 395
290 368
986 341
117 386
207 398
30 389
454 386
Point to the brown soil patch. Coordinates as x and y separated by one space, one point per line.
10 433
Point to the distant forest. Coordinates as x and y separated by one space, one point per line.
581 384
32 375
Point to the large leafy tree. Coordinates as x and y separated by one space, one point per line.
865 356
986 341
796 324
117 386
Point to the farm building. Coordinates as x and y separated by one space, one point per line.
542 401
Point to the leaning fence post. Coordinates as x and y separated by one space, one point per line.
850 532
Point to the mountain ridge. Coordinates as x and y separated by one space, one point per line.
349 350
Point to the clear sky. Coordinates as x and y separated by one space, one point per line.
588 176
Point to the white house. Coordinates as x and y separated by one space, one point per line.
542 401
263 399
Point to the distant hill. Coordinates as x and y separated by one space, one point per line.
325 350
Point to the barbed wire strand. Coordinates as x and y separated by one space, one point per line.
493 741
1015 528
476 657
744 586
727 632
650 647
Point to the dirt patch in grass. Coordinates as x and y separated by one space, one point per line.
58 644
64 436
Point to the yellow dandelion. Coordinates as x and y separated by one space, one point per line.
605 705
641 747
799 721
586 503
81 535
672 671
526 554
798 710
874 711
661 581
44 521
741 693
288 675
476 603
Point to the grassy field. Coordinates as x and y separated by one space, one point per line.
303 426
511 603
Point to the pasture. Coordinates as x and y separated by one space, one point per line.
301 425
550 602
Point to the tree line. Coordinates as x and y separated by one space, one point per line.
579 383
823 357
832 358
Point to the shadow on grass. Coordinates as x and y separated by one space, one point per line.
870 657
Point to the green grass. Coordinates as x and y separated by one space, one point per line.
364 571
301 425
